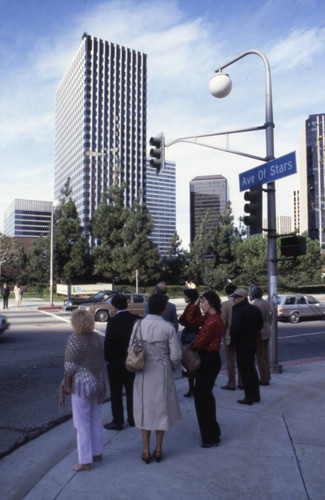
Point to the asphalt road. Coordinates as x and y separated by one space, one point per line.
31 368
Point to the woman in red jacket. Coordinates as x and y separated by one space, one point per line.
208 342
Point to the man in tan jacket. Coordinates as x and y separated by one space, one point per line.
230 351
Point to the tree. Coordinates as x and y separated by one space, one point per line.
38 260
123 239
70 250
251 258
201 250
12 256
225 241
174 264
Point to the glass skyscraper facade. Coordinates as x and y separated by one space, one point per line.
312 180
208 193
28 218
101 120
161 203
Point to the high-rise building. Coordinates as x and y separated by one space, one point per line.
161 202
296 211
101 119
311 167
27 220
283 224
208 193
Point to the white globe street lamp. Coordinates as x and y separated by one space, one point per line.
220 85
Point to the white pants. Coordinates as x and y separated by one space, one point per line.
87 419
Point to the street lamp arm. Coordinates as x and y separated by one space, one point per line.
226 150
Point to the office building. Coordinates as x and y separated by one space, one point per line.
311 168
100 133
296 211
161 203
283 224
208 193
27 220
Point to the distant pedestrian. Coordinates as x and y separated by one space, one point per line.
171 314
229 349
155 402
247 320
187 319
18 294
5 292
118 333
263 336
208 342
84 378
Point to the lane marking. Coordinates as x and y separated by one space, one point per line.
301 335
65 320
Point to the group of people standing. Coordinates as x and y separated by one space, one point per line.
151 398
5 292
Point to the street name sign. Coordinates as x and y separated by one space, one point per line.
269 172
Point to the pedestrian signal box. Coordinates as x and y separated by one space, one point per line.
293 246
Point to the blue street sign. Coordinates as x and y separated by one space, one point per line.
269 172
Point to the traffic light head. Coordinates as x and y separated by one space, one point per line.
254 209
157 153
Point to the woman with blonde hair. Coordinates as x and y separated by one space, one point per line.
84 378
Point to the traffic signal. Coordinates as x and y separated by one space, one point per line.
254 209
293 246
157 153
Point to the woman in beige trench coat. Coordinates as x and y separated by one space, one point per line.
155 401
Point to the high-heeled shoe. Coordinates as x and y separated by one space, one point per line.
146 457
157 454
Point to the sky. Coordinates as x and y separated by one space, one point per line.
186 41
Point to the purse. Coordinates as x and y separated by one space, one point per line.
135 358
191 360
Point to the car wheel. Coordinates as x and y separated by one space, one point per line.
294 317
102 315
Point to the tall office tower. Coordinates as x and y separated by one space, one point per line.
283 224
28 218
207 193
296 211
101 119
312 171
161 202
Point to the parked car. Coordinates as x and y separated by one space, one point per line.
74 302
103 310
3 324
296 306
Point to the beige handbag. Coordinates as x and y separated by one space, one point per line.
135 358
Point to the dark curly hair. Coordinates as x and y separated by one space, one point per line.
157 303
213 299
192 294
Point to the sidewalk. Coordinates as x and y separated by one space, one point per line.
271 450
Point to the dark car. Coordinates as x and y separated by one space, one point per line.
74 302
3 324
103 310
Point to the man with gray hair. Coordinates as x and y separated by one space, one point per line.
171 314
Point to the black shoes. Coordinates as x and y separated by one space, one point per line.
189 394
245 401
227 388
112 426
241 387
264 383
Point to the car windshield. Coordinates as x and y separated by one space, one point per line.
100 295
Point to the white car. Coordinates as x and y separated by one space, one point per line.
296 306
3 324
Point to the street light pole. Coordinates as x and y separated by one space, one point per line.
220 88
55 204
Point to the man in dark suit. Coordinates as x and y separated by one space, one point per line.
118 333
